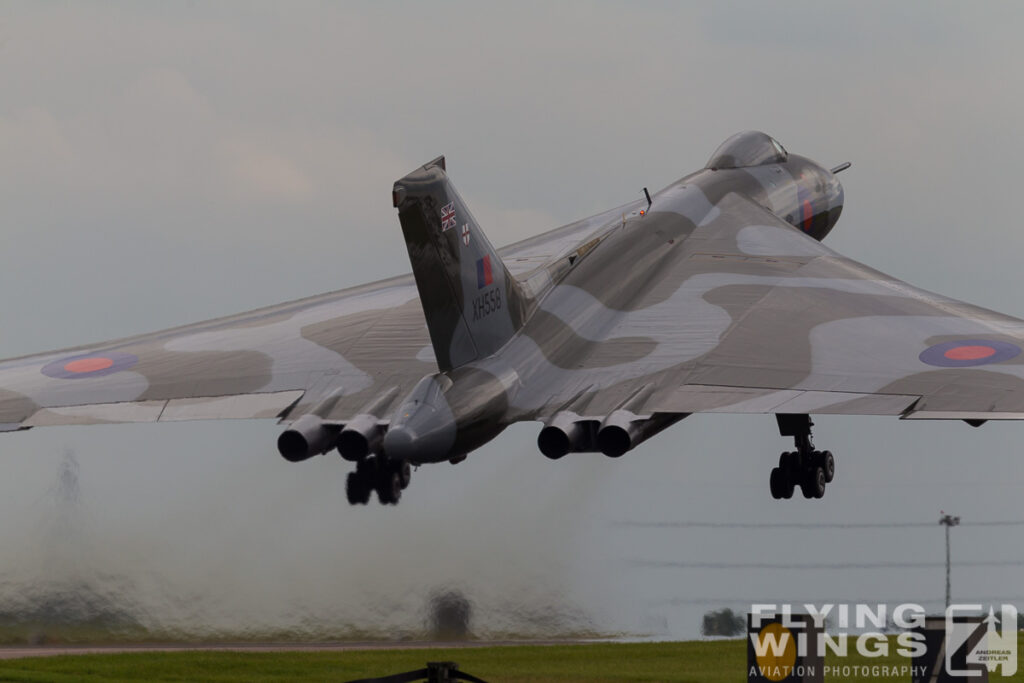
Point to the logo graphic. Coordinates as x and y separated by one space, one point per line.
991 644
448 216
91 365
775 649
968 353
962 645
465 234
484 276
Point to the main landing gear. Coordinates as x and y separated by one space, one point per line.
376 473
805 467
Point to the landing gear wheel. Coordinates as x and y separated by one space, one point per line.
357 489
787 461
819 484
376 473
788 484
404 473
828 463
813 483
775 483
389 488
810 468
367 468
788 467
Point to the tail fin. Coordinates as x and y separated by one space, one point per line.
472 303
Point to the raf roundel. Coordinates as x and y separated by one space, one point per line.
90 365
967 353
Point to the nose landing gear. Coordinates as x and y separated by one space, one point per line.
805 467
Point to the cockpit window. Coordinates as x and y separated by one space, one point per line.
750 148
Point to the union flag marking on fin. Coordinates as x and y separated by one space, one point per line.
448 216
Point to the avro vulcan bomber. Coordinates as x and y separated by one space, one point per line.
712 295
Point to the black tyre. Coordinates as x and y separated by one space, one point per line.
395 482
806 486
788 484
356 489
389 489
367 468
775 483
790 462
820 482
813 483
404 473
828 463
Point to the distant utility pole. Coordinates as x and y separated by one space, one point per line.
948 521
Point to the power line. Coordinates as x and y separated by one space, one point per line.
816 565
830 601
807 525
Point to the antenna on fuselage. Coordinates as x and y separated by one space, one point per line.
841 167
648 195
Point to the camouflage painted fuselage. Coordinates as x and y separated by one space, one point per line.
554 341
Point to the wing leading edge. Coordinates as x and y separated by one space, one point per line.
754 316
333 352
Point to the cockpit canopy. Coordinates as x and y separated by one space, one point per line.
749 148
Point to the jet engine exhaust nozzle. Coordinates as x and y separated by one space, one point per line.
307 436
622 431
556 442
362 436
566 433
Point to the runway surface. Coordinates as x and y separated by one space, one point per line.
55 650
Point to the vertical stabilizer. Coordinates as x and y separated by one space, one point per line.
472 304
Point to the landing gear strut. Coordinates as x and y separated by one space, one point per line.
377 473
805 467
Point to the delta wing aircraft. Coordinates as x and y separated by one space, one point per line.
714 295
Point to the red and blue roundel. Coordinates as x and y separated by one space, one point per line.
967 353
90 365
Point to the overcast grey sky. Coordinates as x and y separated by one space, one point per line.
165 163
